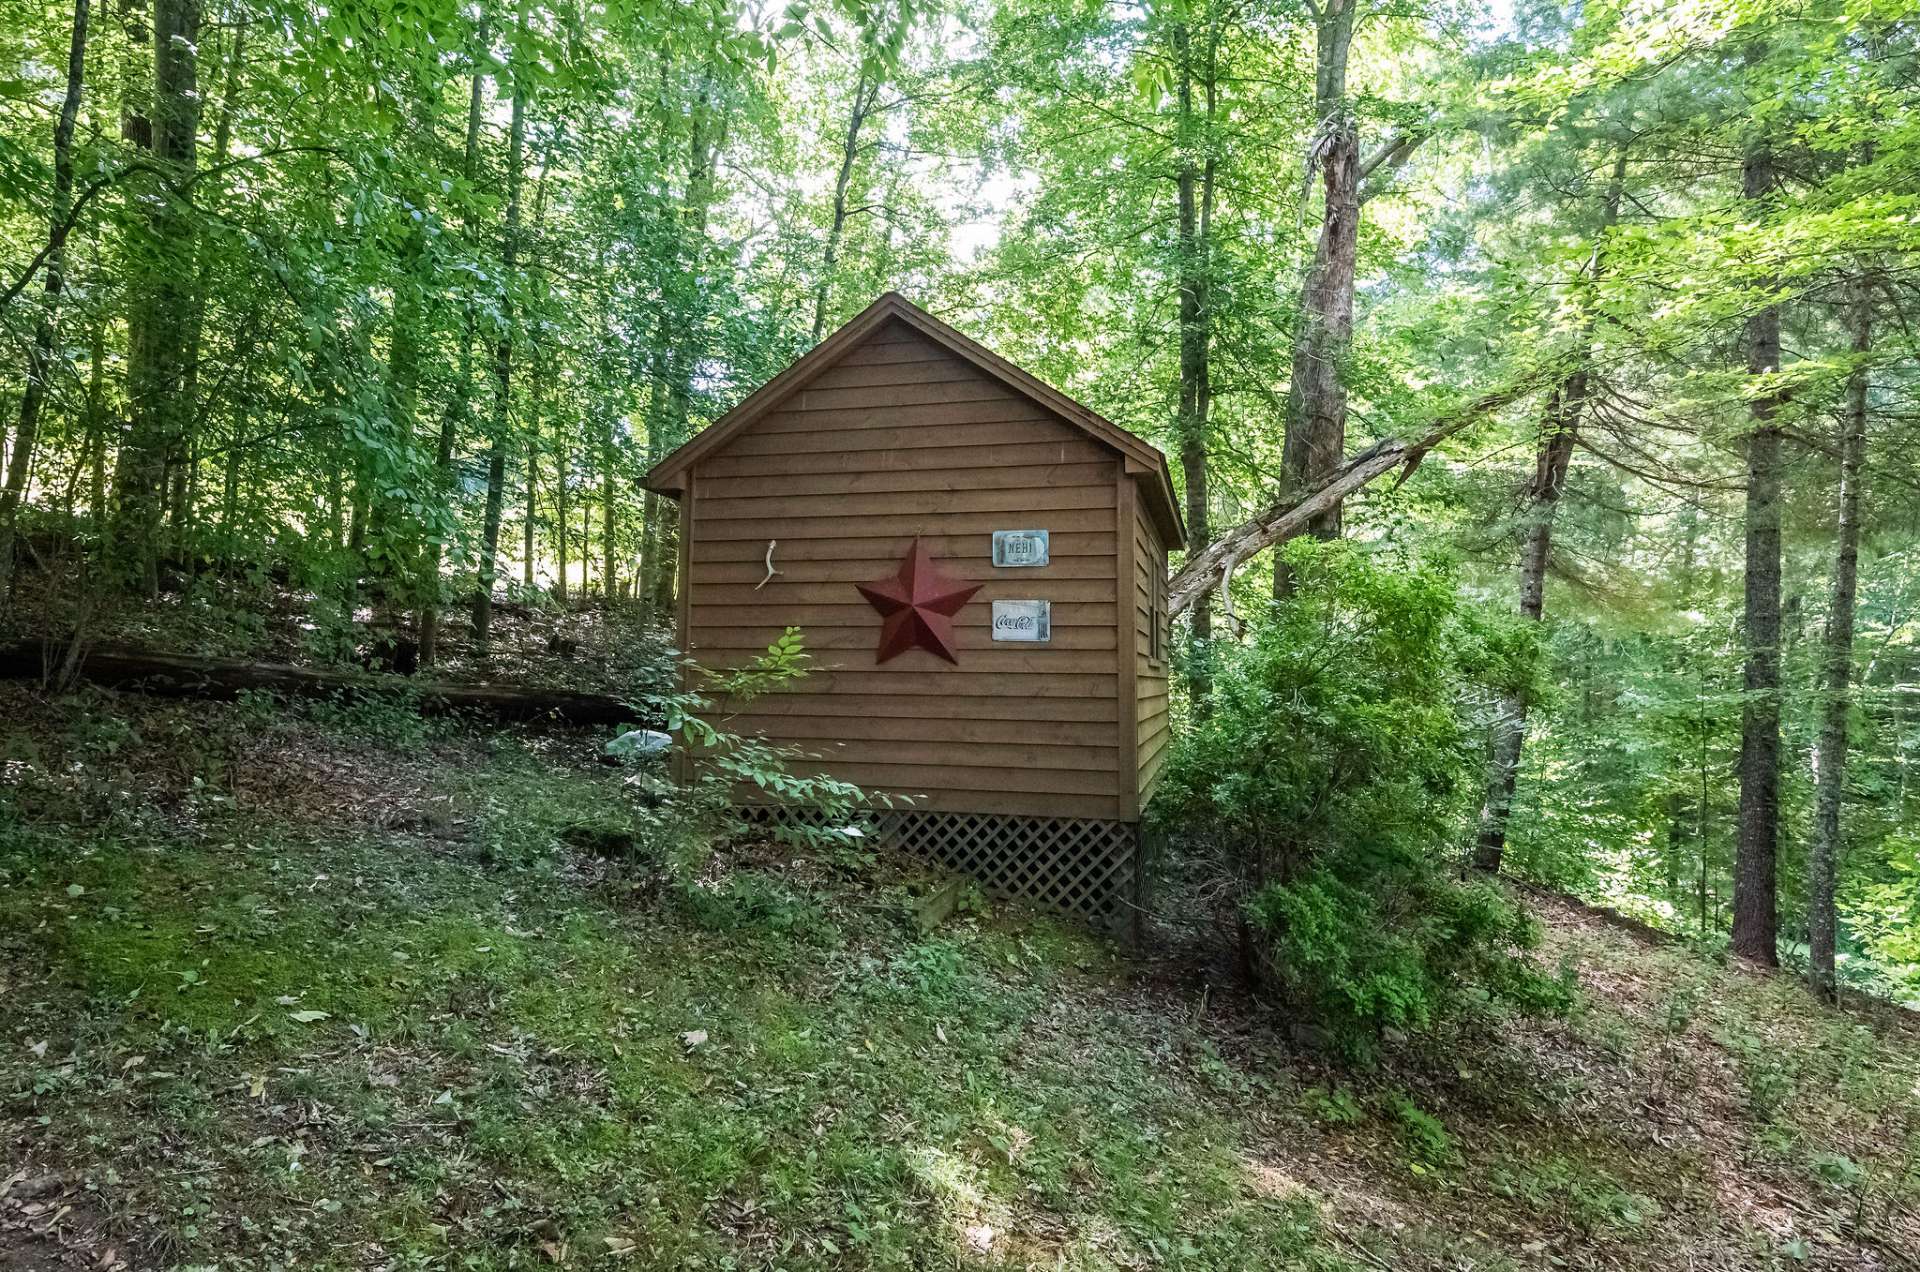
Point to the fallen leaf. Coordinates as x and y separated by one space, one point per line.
39 1048
308 1016
693 1038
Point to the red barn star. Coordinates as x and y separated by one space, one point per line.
918 605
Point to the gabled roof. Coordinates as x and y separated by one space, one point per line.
1144 461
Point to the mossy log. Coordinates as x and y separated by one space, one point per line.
183 676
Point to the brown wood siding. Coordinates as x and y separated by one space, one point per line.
896 439
1150 675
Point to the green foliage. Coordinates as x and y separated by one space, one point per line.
1768 1077
820 812
99 732
1424 1134
1597 1203
386 716
1335 1106
1339 755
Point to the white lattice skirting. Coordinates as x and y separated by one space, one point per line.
1091 869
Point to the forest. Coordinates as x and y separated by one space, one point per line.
1538 385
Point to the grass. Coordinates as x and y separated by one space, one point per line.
280 992
409 1054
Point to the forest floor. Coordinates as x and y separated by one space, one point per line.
333 987
536 640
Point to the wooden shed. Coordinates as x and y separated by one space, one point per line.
978 564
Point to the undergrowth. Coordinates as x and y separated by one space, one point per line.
471 1005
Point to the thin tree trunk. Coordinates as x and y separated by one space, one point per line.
866 92
429 621
1830 780
537 353
1316 435
1194 185
708 139
533 477
336 492
1559 431
561 531
97 425
656 364
186 461
503 360
40 355
1676 806
610 567
156 348
586 531
1755 888
403 407
1555 455
230 502
652 506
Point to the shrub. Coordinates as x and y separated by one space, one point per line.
828 810
1339 758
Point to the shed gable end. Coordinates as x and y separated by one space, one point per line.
896 390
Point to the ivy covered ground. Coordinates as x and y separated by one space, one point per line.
336 988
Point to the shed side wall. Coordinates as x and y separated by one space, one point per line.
900 439
1150 674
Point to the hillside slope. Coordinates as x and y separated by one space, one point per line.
346 990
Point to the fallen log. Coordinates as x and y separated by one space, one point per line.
183 676
1211 567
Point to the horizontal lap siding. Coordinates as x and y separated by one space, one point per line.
895 440
1150 677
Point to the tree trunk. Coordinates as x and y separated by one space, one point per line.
503 359
1830 779
1755 900
40 355
1559 431
537 353
610 567
866 92
1557 434
186 460
457 407
586 530
156 340
688 346
97 425
1194 185
1316 434
392 525
533 477
653 506
561 531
